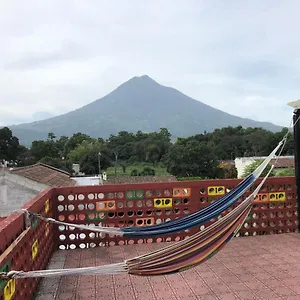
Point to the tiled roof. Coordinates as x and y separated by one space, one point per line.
139 179
45 174
284 162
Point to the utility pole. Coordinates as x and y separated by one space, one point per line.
296 123
99 163
116 161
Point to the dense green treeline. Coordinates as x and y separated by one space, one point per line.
196 156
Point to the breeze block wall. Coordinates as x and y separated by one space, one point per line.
274 210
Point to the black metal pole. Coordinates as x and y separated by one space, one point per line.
296 122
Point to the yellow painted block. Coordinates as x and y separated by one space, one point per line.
47 230
34 249
47 206
280 196
9 289
215 190
163 202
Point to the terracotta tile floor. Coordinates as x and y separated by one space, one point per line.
260 267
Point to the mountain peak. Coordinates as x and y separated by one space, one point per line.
142 79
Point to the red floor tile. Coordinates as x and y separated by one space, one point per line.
260 267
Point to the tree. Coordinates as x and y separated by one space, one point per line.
57 163
40 149
75 140
82 149
51 136
89 163
9 145
286 172
193 158
250 168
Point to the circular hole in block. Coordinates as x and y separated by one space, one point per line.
177 239
100 196
280 214
92 235
71 197
202 227
140 222
80 207
130 242
72 236
186 211
61 227
157 193
158 221
92 245
129 204
81 217
111 214
149 241
71 217
140 241
130 223
111 204
168 212
91 216
177 201
185 200
60 198
158 240
101 205
121 243
60 208
149 203
81 197
82 246
130 213
176 192
149 193
157 202
121 214
139 203
62 237
158 212
167 201
91 206
120 195
62 247
167 220
61 218
167 193
149 212
289 214
91 196
140 213
82 236
202 200
112 243
176 210
272 224
149 222
110 195
202 191
71 207
120 204
121 224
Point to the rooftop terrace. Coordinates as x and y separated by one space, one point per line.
260 264
261 267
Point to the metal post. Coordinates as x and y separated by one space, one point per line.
116 161
99 164
296 122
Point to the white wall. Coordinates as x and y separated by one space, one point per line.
15 191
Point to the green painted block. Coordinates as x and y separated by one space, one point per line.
5 268
35 221
97 216
134 194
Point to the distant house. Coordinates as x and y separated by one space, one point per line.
283 162
19 185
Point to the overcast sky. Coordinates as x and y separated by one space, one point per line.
242 57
